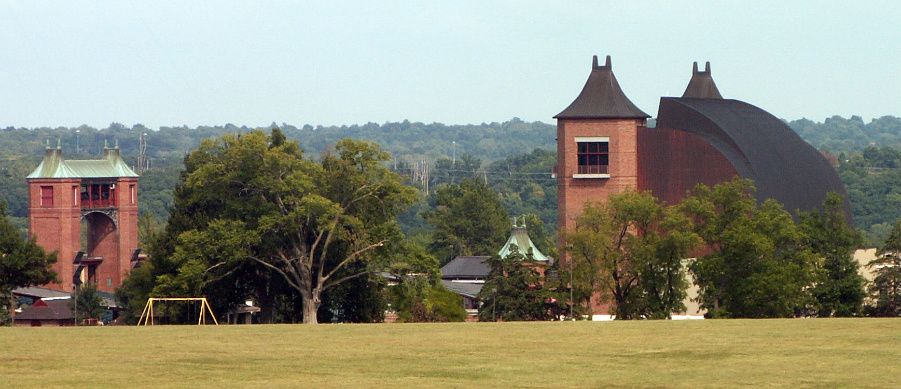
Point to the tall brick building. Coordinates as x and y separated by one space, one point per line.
86 211
604 146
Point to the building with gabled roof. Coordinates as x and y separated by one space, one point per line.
54 311
87 212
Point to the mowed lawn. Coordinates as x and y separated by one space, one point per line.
712 353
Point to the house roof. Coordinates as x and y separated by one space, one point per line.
520 238
602 97
701 85
760 146
55 166
38 292
108 299
50 309
468 289
470 267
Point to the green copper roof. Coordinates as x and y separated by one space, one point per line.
520 237
54 166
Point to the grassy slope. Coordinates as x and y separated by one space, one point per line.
779 353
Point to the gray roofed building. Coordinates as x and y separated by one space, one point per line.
466 268
466 289
50 311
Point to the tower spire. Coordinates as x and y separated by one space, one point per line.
701 85
602 97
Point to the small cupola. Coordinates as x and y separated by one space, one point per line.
701 85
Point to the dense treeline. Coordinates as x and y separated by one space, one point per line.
513 157
839 135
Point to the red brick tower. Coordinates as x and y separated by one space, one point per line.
89 207
597 150
597 144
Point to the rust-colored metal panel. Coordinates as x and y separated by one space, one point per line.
672 162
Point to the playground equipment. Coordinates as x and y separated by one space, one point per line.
147 314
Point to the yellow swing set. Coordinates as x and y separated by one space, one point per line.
147 314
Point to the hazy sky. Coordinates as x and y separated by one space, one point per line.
254 62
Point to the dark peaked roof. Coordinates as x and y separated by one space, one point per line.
48 309
760 146
467 289
601 97
471 267
701 85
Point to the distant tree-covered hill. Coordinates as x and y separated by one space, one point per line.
513 156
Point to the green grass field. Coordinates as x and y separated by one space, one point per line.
725 353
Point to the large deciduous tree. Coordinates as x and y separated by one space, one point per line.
251 199
630 251
22 263
758 265
839 288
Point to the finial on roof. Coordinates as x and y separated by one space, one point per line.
701 85
607 62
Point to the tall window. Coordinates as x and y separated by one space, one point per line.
593 157
131 193
47 196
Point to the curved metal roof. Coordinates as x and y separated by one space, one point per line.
601 98
760 146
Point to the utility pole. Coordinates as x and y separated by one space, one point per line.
454 161
143 163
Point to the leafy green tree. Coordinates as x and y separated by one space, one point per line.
22 263
87 303
839 290
758 264
419 298
885 290
630 250
468 219
255 200
419 295
514 290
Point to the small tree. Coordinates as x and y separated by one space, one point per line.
885 289
419 296
513 290
87 303
839 289
22 263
